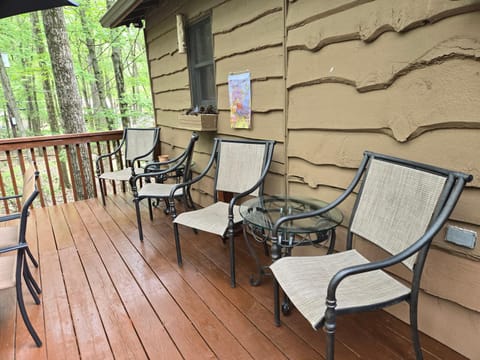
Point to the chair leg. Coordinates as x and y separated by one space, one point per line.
185 202
21 306
330 345
35 297
191 204
32 285
414 329
232 258
150 210
177 244
330 328
32 258
102 190
167 206
139 218
276 302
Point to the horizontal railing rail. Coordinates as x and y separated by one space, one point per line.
65 162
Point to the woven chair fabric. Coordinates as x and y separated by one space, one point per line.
28 182
305 280
158 190
139 142
396 206
8 266
8 236
120 175
212 219
240 166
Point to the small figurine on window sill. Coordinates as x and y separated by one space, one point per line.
201 110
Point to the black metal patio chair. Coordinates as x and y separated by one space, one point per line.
400 207
241 168
13 247
178 168
137 144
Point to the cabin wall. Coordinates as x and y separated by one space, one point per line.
402 78
331 79
235 50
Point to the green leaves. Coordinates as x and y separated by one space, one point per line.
18 40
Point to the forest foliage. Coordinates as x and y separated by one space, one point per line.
27 74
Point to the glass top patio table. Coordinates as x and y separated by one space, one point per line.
261 213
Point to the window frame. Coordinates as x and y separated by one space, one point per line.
194 68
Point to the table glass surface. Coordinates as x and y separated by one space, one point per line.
264 211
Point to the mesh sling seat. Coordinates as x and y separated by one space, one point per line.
241 168
400 207
13 248
160 190
137 144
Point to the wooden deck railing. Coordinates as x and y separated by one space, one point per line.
55 157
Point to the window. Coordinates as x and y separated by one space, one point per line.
200 63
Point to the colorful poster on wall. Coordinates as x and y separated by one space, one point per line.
240 100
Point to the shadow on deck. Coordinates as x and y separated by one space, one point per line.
108 295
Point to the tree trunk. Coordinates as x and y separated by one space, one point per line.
67 90
29 86
87 101
13 113
46 83
7 123
99 84
119 78
120 82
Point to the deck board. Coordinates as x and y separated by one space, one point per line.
108 295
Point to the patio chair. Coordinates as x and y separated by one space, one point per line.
400 207
136 145
178 168
13 248
241 168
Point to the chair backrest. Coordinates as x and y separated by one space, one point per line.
188 154
397 202
29 178
241 164
140 143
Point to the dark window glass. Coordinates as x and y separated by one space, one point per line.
200 63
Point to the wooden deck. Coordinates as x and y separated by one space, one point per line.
108 295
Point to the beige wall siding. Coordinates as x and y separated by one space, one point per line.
366 21
331 79
235 50
396 77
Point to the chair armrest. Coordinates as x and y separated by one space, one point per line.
325 209
196 178
109 154
186 184
142 157
103 156
154 168
10 217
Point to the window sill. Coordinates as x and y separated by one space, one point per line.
200 122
